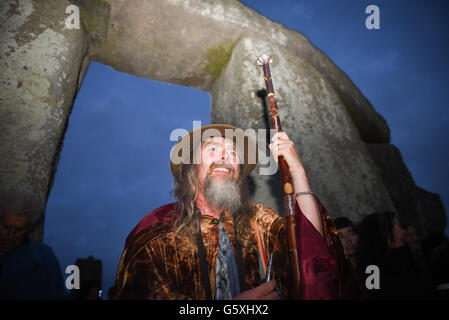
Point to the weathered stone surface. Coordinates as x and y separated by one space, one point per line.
188 42
413 204
371 126
339 167
39 74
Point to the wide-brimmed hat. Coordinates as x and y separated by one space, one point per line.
183 151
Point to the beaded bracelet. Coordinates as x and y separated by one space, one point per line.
297 194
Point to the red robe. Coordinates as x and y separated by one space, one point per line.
151 265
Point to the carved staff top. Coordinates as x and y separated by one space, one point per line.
264 61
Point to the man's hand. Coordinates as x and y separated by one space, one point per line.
282 146
265 291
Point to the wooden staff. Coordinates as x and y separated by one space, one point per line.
289 200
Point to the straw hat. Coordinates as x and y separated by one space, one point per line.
245 145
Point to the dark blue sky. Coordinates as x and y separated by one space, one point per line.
114 164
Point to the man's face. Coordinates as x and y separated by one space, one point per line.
13 229
399 235
218 175
349 240
219 160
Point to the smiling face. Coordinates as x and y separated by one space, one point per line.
218 175
218 159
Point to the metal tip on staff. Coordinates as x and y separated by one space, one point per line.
263 59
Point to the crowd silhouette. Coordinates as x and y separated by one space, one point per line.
407 266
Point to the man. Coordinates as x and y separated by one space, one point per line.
352 287
28 269
349 239
213 243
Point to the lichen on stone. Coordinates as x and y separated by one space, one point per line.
218 56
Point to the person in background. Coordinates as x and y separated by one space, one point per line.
352 287
413 240
29 270
349 239
382 244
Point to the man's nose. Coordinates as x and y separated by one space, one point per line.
224 156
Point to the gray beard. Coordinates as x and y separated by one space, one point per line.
221 193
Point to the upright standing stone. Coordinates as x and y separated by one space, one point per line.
415 205
399 183
39 74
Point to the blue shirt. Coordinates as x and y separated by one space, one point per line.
31 271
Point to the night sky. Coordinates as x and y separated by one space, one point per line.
114 165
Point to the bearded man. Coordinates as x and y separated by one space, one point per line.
212 243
